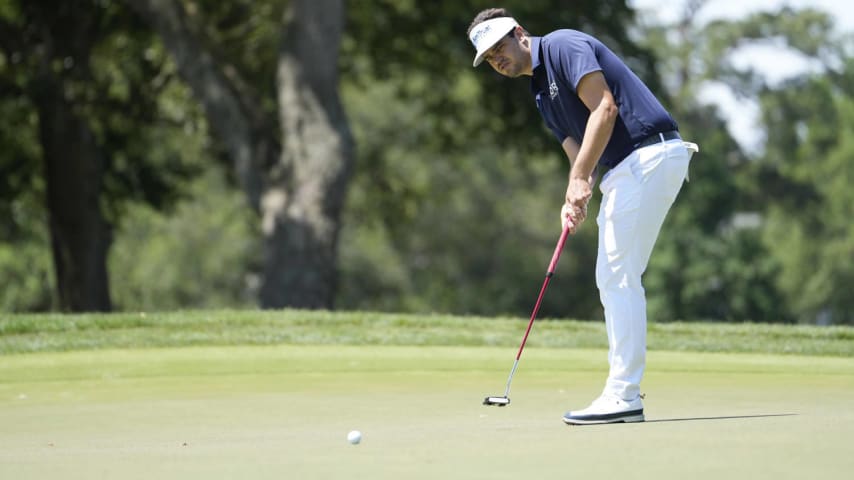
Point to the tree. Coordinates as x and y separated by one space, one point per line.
79 234
783 264
801 180
63 66
294 167
808 170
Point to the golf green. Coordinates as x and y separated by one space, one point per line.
285 411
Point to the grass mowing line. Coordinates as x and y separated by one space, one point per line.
56 332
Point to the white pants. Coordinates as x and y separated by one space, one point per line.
636 196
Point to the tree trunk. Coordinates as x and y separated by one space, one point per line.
302 207
297 188
80 236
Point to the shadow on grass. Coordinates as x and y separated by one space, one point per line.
732 417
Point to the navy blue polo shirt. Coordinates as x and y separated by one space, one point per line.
559 60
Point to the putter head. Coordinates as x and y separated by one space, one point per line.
498 401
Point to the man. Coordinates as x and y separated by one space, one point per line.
601 113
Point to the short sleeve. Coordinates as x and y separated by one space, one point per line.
559 135
573 58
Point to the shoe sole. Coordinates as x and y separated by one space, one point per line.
628 417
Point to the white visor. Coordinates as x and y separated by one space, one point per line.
486 34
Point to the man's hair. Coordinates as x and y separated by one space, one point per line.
487 14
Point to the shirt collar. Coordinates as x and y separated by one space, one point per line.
538 74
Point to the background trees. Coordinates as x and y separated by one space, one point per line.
807 171
293 161
450 200
751 258
82 89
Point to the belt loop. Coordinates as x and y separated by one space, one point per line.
661 136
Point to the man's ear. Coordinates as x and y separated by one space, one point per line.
520 35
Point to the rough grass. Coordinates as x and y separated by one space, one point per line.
60 332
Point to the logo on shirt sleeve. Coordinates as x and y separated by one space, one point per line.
553 90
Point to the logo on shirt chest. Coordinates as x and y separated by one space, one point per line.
553 90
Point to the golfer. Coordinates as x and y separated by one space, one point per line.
602 114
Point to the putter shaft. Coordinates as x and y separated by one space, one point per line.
549 274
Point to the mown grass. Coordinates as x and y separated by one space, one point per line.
60 332
283 411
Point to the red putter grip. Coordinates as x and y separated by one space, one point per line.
558 249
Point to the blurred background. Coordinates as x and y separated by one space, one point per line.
177 154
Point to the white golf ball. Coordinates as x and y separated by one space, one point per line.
354 437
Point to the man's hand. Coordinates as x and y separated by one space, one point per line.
574 210
594 92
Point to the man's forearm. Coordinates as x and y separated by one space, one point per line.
600 125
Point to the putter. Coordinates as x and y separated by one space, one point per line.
504 400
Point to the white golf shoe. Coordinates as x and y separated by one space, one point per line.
607 408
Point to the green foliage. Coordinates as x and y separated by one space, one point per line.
454 203
706 265
26 270
801 183
198 256
784 264
809 229
122 86
245 36
804 31
117 90
142 118
25 257
428 229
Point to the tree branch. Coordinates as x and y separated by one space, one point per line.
228 101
